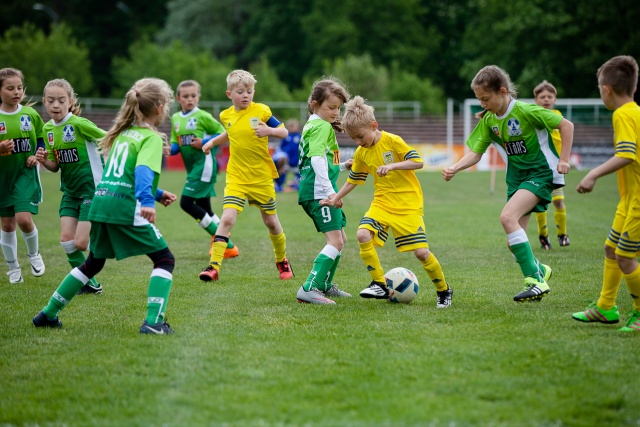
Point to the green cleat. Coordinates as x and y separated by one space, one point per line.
633 324
547 272
593 313
533 290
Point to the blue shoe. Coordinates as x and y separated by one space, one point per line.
160 328
42 321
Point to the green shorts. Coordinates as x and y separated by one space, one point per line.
124 241
25 196
22 206
539 183
198 189
75 207
325 218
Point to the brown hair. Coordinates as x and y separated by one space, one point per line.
324 88
357 114
493 78
620 73
139 102
6 73
188 83
74 105
544 85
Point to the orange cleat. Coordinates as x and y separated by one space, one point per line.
286 272
209 274
231 252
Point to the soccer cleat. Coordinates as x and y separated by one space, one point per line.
209 274
312 296
286 272
633 323
15 275
231 252
563 240
547 272
88 289
593 313
533 290
37 265
333 291
545 243
160 328
377 290
444 298
42 321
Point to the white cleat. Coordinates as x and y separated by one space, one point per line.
15 275
312 296
37 265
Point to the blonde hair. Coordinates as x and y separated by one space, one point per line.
621 74
492 78
7 73
188 83
324 88
357 114
544 85
240 77
139 103
74 105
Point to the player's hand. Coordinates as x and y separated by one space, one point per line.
148 213
206 148
348 164
448 173
6 147
331 201
262 129
32 161
586 185
563 167
167 198
384 170
196 143
41 155
166 150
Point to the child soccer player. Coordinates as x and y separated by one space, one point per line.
123 211
20 135
190 128
287 157
320 166
522 131
73 152
250 171
397 200
545 96
617 80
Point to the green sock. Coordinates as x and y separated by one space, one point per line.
212 228
76 259
158 295
66 291
321 269
332 270
526 260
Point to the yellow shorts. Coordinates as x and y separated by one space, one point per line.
261 195
408 230
624 235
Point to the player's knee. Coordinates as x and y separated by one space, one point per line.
422 254
163 259
363 235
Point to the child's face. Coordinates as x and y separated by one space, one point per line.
545 99
496 102
188 98
364 136
11 93
241 96
329 110
56 101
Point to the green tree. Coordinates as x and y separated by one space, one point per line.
42 58
404 86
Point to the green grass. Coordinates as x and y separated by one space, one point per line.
246 354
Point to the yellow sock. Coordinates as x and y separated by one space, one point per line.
279 242
541 217
633 283
370 257
612 276
432 266
217 254
561 221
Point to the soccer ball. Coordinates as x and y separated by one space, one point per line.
403 285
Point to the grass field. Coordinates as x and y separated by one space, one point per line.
246 354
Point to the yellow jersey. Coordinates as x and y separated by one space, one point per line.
626 137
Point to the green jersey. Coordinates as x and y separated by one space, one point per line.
523 138
72 144
196 124
115 196
24 126
318 139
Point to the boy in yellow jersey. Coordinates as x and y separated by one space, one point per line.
397 200
617 80
545 96
250 171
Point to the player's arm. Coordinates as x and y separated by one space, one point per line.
566 134
468 160
43 158
335 200
218 140
403 165
613 164
143 176
272 127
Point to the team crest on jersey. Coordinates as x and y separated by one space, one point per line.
68 133
496 130
176 127
513 126
50 138
253 122
191 123
25 123
3 127
387 157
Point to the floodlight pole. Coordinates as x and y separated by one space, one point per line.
49 11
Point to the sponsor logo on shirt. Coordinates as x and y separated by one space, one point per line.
3 127
21 145
186 139
513 126
176 126
68 133
25 123
67 155
515 148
